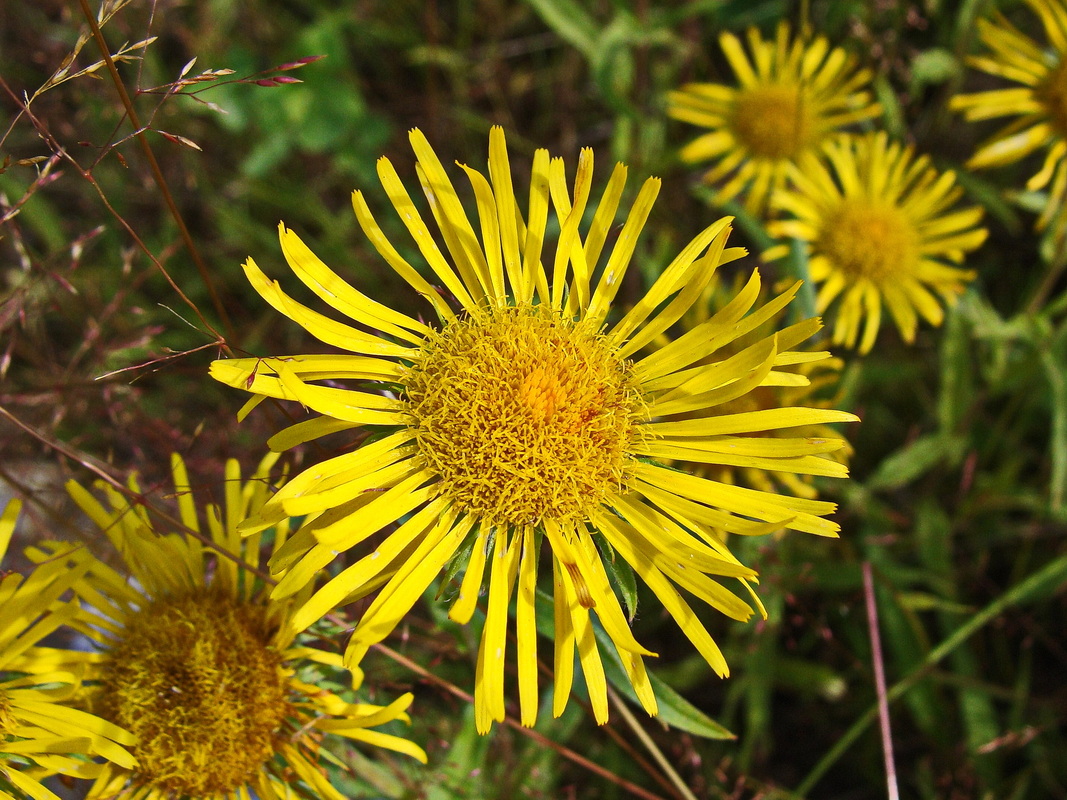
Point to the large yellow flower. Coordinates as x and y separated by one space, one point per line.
792 95
200 665
523 423
40 731
1038 102
880 225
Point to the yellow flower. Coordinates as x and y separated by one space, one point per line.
879 226
804 384
523 422
200 665
792 96
1038 102
40 732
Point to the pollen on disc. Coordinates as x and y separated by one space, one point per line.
524 415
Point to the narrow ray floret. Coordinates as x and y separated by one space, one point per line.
792 94
806 383
881 225
41 731
530 429
199 663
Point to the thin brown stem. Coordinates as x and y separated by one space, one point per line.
157 173
892 792
542 740
680 786
58 149
1048 283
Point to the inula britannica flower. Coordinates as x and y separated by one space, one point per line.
522 432
41 732
880 226
1038 103
200 664
792 94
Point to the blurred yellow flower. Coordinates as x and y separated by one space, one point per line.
41 733
523 422
1038 102
200 664
792 95
880 227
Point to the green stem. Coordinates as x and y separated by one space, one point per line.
1052 574
650 745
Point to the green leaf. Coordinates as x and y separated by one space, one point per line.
891 109
465 765
612 63
992 199
376 775
674 710
571 21
622 575
932 67
924 601
1057 379
957 379
458 563
915 460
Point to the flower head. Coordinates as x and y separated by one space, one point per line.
41 732
523 427
792 95
880 226
200 664
1038 102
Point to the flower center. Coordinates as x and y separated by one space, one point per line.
1052 92
869 240
525 415
195 680
773 121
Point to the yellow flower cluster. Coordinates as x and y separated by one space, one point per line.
535 440
878 225
528 434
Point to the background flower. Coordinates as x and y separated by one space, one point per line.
808 383
41 732
1039 102
957 486
792 94
199 664
880 227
